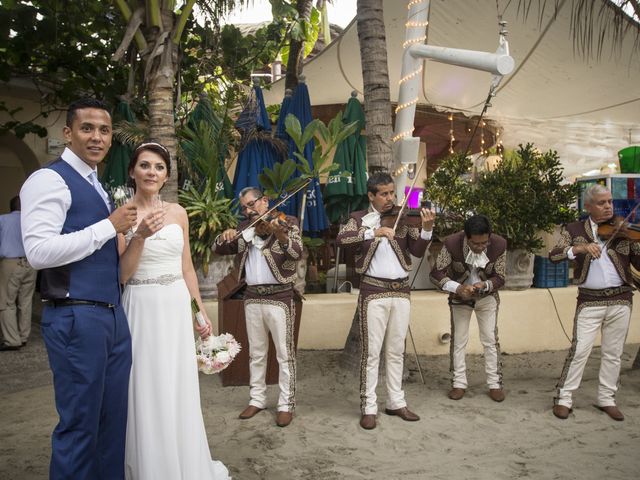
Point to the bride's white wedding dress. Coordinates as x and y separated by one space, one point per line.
166 438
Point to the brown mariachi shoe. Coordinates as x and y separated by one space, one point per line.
456 393
284 418
250 412
613 411
496 394
404 413
561 411
368 422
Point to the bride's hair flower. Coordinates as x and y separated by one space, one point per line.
214 354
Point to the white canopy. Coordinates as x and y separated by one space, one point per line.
587 109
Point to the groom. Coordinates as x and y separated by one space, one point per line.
266 258
69 233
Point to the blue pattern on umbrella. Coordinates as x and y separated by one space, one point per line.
315 218
257 154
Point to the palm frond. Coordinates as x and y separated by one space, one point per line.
130 133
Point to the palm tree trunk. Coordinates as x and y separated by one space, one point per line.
375 76
296 49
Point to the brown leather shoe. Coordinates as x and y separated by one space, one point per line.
368 422
456 393
613 411
496 394
284 418
250 412
561 411
404 413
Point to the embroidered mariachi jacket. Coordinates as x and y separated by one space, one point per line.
622 252
406 241
281 261
451 265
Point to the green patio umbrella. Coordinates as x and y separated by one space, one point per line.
345 195
117 161
204 120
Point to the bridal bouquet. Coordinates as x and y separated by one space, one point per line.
214 354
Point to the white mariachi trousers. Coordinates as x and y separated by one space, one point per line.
613 320
386 320
262 318
486 310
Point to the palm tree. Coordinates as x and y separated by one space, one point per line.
157 28
375 78
296 48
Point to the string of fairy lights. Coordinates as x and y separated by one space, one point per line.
418 71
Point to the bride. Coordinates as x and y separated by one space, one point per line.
166 438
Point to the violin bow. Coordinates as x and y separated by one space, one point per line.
406 195
289 195
619 227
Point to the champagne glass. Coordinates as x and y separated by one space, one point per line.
122 195
156 204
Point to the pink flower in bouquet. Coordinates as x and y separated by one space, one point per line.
214 354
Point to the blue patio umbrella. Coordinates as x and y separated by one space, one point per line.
258 149
315 218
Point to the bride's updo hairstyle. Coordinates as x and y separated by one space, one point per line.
154 147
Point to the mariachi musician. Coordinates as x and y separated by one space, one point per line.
602 271
266 250
382 258
471 267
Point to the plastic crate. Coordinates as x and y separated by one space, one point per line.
550 275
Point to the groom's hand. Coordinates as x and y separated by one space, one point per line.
123 218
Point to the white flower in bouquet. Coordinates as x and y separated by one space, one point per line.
214 354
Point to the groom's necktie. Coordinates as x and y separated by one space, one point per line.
93 178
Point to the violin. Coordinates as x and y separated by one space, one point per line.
263 226
618 227
408 216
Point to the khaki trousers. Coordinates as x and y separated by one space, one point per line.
385 320
17 284
262 318
486 310
613 321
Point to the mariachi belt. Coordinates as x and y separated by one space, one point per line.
269 288
394 285
605 292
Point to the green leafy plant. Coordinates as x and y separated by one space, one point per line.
313 248
209 215
279 180
523 195
449 188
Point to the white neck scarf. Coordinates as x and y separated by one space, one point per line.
476 260
249 235
372 219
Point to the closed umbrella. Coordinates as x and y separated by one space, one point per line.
115 172
204 114
345 195
315 219
258 149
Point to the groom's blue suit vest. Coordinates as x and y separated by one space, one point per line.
96 277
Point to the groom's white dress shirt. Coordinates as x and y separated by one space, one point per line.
45 200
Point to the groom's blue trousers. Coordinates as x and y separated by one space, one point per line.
89 351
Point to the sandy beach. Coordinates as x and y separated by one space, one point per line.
474 438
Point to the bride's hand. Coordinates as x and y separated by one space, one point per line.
151 223
205 330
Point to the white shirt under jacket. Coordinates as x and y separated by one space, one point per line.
602 272
385 263
45 200
256 268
